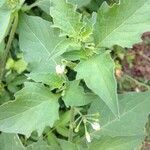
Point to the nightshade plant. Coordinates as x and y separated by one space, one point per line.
58 89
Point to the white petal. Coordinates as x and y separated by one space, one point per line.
96 126
88 138
60 69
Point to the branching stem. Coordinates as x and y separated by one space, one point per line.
70 136
8 46
136 81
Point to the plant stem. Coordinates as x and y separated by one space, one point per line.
136 81
146 57
8 46
70 136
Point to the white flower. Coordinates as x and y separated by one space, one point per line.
88 138
96 126
60 69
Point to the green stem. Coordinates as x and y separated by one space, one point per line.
8 46
136 81
70 136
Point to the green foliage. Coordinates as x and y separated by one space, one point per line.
100 78
57 75
10 141
73 99
71 24
34 108
121 24
116 143
130 123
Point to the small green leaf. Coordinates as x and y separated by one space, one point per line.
64 131
71 97
122 24
34 108
51 79
10 142
66 18
98 73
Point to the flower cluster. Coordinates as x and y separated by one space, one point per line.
91 119
12 3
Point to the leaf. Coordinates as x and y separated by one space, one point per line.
10 142
51 79
41 145
98 73
66 18
45 48
122 24
71 97
117 143
52 140
134 110
64 131
45 43
5 17
66 145
34 108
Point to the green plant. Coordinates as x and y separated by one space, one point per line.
59 73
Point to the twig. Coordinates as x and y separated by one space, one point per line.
137 82
70 136
8 46
146 57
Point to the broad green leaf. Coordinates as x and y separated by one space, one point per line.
71 97
45 48
117 143
98 73
66 18
5 17
41 145
134 110
34 108
122 24
45 43
10 142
